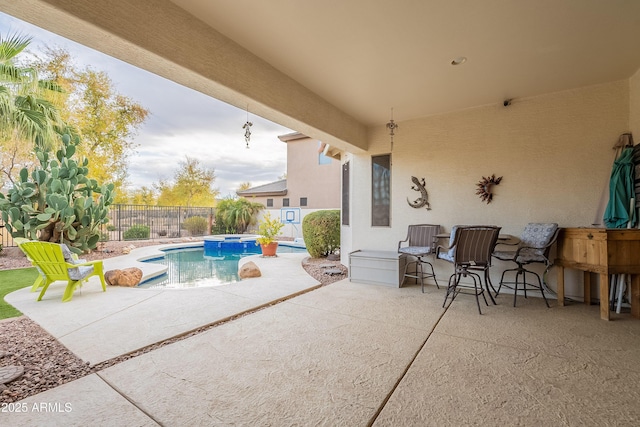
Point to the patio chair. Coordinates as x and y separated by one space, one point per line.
534 247
56 263
470 252
420 242
41 277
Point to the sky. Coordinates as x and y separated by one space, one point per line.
182 122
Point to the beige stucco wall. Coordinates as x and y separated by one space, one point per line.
554 153
634 106
320 184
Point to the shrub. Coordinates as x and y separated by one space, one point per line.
196 225
321 232
268 229
234 216
111 227
137 232
162 233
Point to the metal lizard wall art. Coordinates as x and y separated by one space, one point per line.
423 200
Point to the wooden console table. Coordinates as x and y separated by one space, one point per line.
603 251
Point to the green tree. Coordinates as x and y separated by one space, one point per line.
28 113
25 99
244 186
107 121
192 186
142 196
236 215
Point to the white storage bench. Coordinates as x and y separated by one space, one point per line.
377 267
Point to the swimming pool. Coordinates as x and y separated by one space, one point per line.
205 265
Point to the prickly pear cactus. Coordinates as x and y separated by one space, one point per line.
56 202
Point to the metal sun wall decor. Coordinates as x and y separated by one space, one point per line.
247 129
392 127
485 187
423 200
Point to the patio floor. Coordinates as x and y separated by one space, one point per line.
351 354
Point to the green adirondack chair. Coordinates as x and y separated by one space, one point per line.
41 277
56 263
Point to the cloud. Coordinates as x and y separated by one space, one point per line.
182 122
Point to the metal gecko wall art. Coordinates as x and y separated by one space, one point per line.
423 200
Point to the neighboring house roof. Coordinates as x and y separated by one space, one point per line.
277 188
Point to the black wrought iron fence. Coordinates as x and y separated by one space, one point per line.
140 222
5 238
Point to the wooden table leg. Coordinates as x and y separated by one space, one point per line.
587 287
604 296
560 290
635 295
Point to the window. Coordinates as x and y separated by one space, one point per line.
269 203
285 202
345 194
381 190
303 201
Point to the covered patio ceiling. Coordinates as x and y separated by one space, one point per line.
333 68
367 56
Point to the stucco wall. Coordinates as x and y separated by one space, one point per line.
554 153
320 184
634 106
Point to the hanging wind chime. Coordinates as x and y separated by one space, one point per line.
247 129
392 127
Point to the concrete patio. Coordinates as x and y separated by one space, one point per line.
348 354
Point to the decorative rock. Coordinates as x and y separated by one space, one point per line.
127 249
333 257
249 269
333 271
327 265
128 277
10 373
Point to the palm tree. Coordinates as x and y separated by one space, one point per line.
26 110
237 214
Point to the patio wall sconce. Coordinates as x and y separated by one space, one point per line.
247 129
392 126
485 187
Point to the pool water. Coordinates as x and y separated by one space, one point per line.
198 267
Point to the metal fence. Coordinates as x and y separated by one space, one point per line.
5 237
140 222
131 222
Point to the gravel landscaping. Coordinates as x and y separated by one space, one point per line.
47 363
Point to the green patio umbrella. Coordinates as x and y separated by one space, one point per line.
619 212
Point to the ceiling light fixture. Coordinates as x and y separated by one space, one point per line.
459 60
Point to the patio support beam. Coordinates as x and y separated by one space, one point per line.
162 38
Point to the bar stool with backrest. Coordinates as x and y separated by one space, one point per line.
469 252
420 242
534 247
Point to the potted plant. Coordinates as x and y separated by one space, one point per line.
268 229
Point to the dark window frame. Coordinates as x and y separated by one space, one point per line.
381 190
345 193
